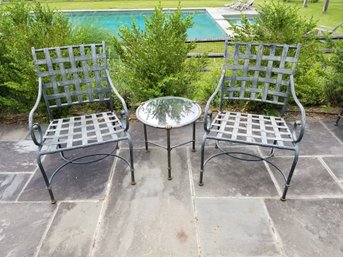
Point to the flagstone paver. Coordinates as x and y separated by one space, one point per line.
319 141
310 178
11 185
336 165
72 230
309 228
336 130
235 227
236 213
226 176
17 156
76 181
13 132
22 226
154 217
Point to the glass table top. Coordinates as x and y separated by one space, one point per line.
168 112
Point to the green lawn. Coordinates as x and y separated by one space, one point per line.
333 16
129 4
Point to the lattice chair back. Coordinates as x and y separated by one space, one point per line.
258 72
72 75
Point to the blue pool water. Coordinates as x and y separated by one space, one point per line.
110 21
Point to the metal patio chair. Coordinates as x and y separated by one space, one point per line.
76 75
260 73
339 116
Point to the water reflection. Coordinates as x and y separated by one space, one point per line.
168 111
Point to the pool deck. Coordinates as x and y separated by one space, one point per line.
237 213
220 15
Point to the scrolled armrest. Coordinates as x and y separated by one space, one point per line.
208 120
124 114
298 131
124 119
207 111
300 123
34 129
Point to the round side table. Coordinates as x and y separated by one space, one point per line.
167 113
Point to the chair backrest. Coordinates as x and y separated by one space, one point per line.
72 74
258 72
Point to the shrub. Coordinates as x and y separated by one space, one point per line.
311 1
154 62
280 23
24 25
207 84
333 87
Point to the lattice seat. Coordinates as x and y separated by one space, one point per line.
81 131
252 129
260 73
76 75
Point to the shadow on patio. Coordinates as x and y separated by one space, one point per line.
236 213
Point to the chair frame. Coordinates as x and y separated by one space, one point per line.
275 75
76 75
339 116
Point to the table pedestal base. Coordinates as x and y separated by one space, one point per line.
169 148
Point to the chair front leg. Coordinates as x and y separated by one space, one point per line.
132 169
46 180
339 117
289 178
193 137
202 160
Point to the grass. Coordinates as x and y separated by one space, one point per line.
331 18
129 4
212 47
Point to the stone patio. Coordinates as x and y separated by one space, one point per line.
236 213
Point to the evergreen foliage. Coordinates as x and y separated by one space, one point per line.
154 62
24 25
333 88
280 23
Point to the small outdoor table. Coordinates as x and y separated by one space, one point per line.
167 113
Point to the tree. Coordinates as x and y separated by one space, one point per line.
280 23
333 87
153 62
326 5
305 3
24 25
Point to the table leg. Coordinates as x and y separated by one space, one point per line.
169 150
146 138
193 144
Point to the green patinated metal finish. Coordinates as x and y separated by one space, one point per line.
262 73
339 116
74 75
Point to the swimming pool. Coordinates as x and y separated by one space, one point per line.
110 21
238 21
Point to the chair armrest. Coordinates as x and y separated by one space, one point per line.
33 131
302 122
35 127
124 114
207 112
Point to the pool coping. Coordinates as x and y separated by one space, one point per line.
218 14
